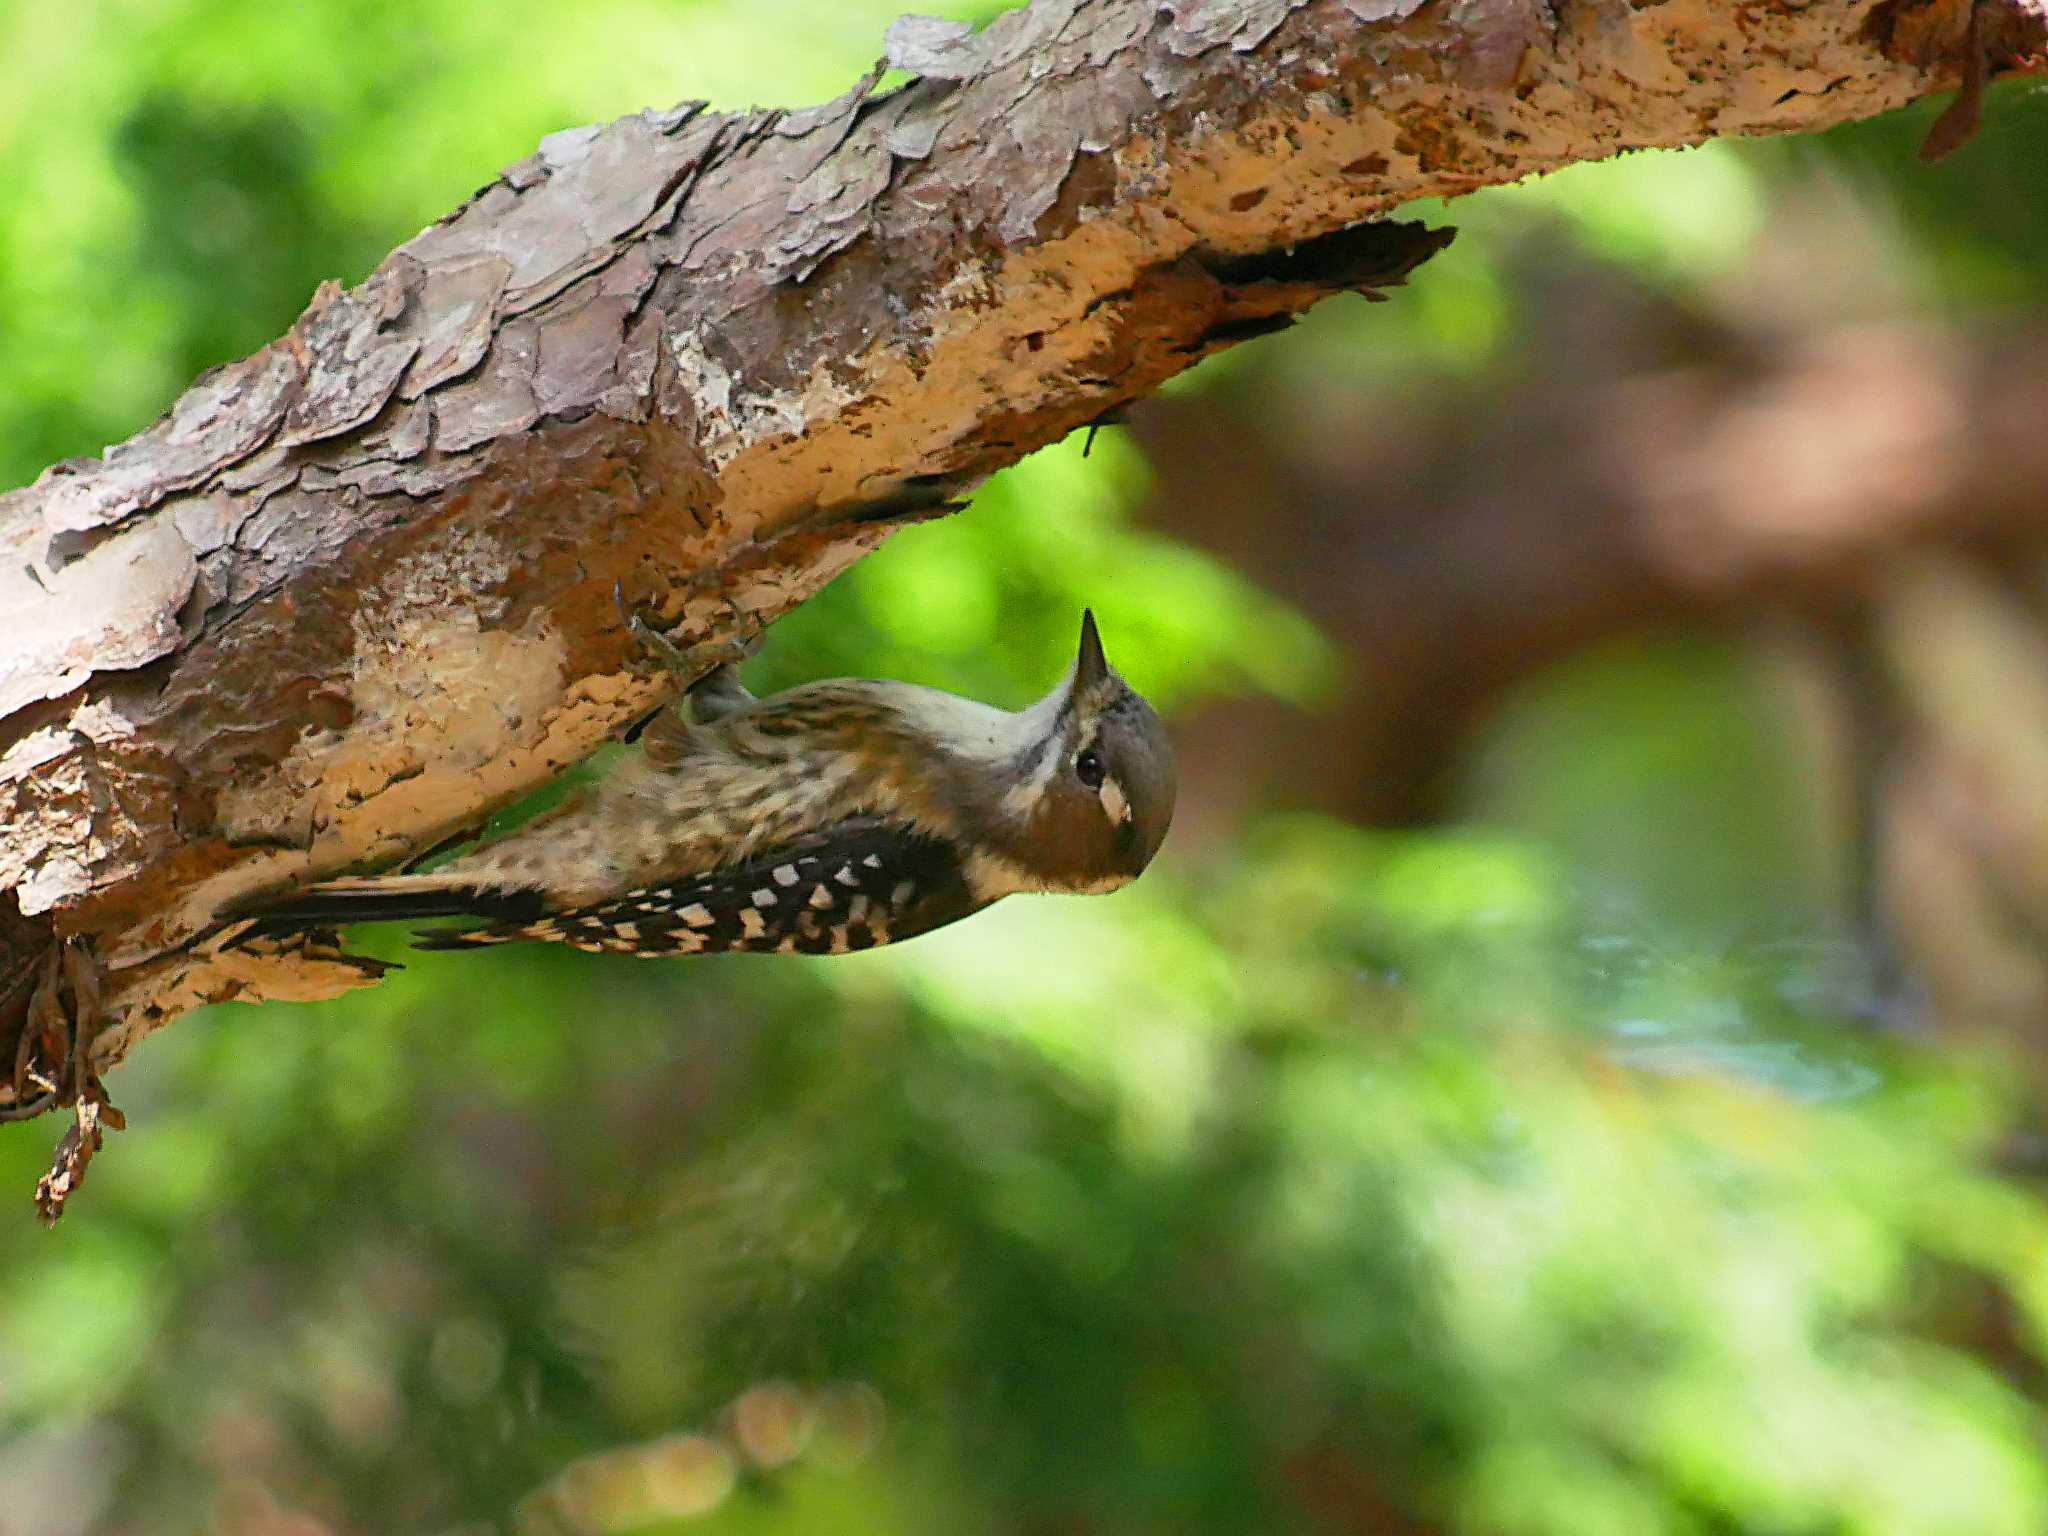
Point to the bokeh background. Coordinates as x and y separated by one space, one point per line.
1575 1072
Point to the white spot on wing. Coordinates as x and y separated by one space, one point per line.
697 915
763 897
785 874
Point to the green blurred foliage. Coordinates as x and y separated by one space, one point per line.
1538 1175
1352 1185
1594 755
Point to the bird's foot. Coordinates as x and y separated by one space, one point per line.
689 664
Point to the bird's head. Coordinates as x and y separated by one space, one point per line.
1094 786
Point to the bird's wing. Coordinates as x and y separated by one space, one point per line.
853 886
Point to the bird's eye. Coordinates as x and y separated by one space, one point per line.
1088 768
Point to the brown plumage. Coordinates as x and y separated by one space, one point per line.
851 789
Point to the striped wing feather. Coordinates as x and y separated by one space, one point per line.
863 883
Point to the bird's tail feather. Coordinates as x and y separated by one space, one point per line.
386 898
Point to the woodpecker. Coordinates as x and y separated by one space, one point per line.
833 817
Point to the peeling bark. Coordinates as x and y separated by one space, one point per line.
355 590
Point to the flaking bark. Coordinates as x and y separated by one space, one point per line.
355 590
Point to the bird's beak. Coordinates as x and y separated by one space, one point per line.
1092 668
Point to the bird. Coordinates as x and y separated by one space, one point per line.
832 817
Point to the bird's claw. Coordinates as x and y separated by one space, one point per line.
689 664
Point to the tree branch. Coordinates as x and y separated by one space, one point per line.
355 590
